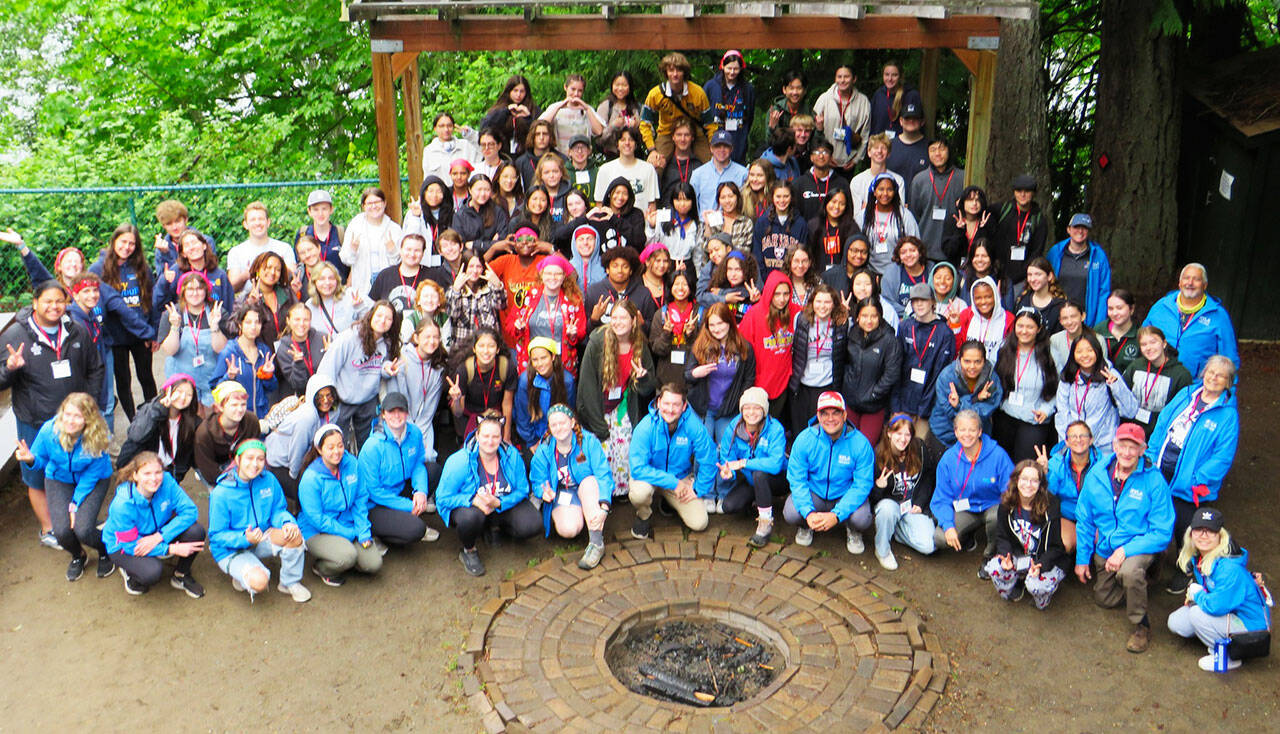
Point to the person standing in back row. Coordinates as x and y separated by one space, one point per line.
1083 270
674 98
932 198
843 114
733 101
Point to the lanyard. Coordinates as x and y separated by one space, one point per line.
844 106
1022 368
965 484
194 327
826 183
487 479
820 337
1075 388
406 284
1150 383
306 354
333 328
553 309
492 383
1022 225
683 171
941 197
54 343
1119 347
913 279
888 100
882 230
915 344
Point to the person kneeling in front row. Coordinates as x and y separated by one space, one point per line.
1029 554
334 518
665 448
571 474
830 473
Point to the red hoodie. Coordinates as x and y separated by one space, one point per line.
772 348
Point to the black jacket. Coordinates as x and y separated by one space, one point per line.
873 369
800 353
811 192
1050 552
700 387
591 394
149 427
293 374
469 224
1004 235
922 493
36 393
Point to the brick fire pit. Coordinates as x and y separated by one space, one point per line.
856 659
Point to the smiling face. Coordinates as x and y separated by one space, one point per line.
269 273
181 395
680 288
1191 284
560 426
971 363
299 322
488 438
381 319
508 178
1026 329
832 420
859 253
1217 377
480 192
1028 484
1085 356
552 278
250 325
682 138
717 327
909 254
728 200
781 297
868 318
1037 279
862 286
1205 539
1079 439
890 76
1127 453
835 206
374 207
756 178
537 202
428 340
884 193
621 322
332 449
148 477
659 263
541 361
671 406
981 260
124 245
72 420
822 305
618 198
1152 347
1070 319
844 79
800 264
326 282
308 253
1119 312
900 436
752 414
49 307
234 407
249 463
256 222
485 349
968 431
793 91
411 252
877 152
939 154
782 200
620 87
474 268
194 292
88 298
395 418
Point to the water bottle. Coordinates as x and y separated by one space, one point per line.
1220 659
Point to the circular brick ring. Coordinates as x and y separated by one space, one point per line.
857 660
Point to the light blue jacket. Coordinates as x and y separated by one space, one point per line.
386 464
1230 589
460 479
981 482
1210 445
769 455
662 458
1140 520
1100 404
1062 483
259 390
132 516
839 469
942 419
236 505
1098 287
73 467
334 505
1209 333
585 460
531 431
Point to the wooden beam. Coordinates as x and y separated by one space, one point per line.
384 109
411 95
981 98
639 32
401 61
968 58
929 88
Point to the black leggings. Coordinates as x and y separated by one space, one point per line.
519 522
86 532
1020 438
124 381
759 490
804 406
146 571
396 527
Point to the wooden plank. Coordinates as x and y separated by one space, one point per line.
638 32
968 58
401 61
384 109
929 88
414 141
848 11
981 98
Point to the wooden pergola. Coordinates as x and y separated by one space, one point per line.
401 30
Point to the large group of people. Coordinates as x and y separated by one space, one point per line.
593 305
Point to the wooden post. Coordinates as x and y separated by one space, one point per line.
411 91
384 108
929 88
981 95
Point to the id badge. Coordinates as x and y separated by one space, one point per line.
905 507
1143 416
838 135
61 369
677 356
663 216
732 124
564 499
831 245
197 361
1022 563
615 393
882 247
890 134
582 177
433 261
1015 398
939 213
1018 253
917 375
961 505
715 219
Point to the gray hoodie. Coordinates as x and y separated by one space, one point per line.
356 376
421 384
288 444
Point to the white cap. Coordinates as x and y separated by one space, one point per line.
319 196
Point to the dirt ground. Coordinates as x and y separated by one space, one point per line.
377 654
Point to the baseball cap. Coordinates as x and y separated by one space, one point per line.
579 139
830 399
1131 432
1208 518
921 291
319 196
394 401
721 137
912 110
1081 220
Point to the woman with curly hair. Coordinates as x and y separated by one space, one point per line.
1029 554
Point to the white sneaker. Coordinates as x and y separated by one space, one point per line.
432 536
888 562
235 584
804 536
380 547
710 504
299 592
854 542
1206 663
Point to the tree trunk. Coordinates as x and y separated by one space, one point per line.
1019 134
1137 126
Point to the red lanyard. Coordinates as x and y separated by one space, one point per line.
54 344
888 100
306 354
194 327
684 171
1022 225
1190 318
416 276
947 185
1022 368
845 106
1150 383
819 337
1119 346
1075 388
492 383
913 279
882 231
551 314
275 316
826 183
915 345
965 484
487 479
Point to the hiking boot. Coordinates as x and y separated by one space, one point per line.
128 584
471 561
854 542
591 557
1140 639
299 592
640 529
804 536
75 569
329 580
105 566
764 530
185 584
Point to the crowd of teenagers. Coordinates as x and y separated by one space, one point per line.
840 329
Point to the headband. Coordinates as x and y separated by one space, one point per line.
462 162
57 260
226 389
82 284
251 443
738 255
526 232
323 431
562 409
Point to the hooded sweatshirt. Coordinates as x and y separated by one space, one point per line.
772 237
949 306
74 467
1208 445
531 431
213 448
927 348
386 464
943 415
460 479
288 444
1153 387
837 470
1229 588
1207 332
1140 520
767 454
422 384
235 505
132 516
990 330
772 346
334 505
1041 536
832 339
1010 229
1098 285
585 459
149 427
356 376
662 457
259 389
979 482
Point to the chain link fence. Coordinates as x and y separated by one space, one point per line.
50 219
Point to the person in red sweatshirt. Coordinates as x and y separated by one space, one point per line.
768 328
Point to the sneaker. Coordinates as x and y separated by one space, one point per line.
431 506
106 566
471 561
764 530
128 584
431 536
720 506
49 540
299 592
235 584
591 557
1017 593
329 580
640 529
1206 664
1140 639
804 536
75 569
382 547
983 574
710 504
889 563
493 536
185 584
972 544
1178 584
854 542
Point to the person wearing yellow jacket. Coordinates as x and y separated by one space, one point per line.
669 101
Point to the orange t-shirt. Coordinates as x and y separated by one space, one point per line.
519 280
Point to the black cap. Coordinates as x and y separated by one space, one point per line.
913 110
393 401
1208 518
1024 182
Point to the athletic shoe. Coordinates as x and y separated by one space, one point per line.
431 536
972 545
854 542
1017 593
640 529
235 584
889 563
299 592
1206 664
185 584
49 540
128 584
380 546
982 571
329 580
1178 583
431 506
764 530
471 561
591 557
804 536
75 569
710 504
105 566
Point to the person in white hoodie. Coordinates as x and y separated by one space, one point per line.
844 116
985 320
372 241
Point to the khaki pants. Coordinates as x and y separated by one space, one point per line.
1129 584
692 513
336 555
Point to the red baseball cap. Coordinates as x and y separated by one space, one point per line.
831 399
1131 432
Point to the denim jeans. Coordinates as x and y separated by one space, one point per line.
913 530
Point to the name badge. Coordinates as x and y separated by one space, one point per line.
677 356
961 505
939 213
1143 416
882 247
564 499
582 177
1022 563
732 125
615 393
1017 253
890 134
433 261
198 361
1015 398
838 135
831 245
715 218
917 375
663 216
61 369
905 507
